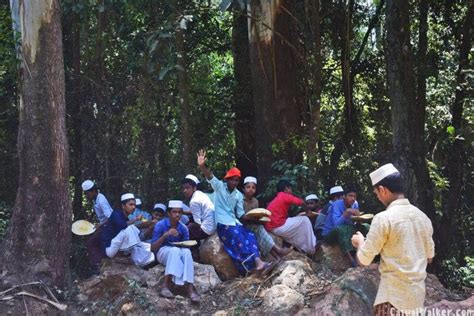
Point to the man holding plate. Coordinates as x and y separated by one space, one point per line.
178 262
402 235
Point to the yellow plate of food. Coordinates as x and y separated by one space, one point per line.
185 243
265 219
363 217
258 212
82 228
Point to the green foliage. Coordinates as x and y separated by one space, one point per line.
458 275
4 218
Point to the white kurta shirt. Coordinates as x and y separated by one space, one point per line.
402 234
203 212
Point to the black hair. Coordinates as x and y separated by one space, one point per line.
337 194
350 189
393 182
126 201
94 188
282 185
188 181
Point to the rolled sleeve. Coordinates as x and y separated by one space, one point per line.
374 242
239 208
216 184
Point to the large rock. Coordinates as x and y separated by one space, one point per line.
205 277
212 252
465 307
295 274
333 259
280 299
354 293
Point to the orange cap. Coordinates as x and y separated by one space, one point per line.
233 172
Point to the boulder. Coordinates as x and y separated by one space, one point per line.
296 275
332 259
212 252
280 299
354 293
464 307
205 277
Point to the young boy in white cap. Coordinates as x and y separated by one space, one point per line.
103 210
118 220
266 244
178 262
138 211
201 208
402 235
335 193
312 207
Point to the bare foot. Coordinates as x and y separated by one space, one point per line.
283 251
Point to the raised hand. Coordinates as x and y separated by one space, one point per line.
201 157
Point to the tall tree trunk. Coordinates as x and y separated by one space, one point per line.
245 128
273 55
74 101
423 181
183 96
315 101
37 243
457 153
409 156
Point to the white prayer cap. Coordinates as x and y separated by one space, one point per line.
175 204
336 189
138 201
87 185
382 172
159 206
250 179
312 197
127 196
192 178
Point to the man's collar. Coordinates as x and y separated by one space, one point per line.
399 202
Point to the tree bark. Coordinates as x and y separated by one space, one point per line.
244 108
278 107
315 101
408 144
72 40
457 152
37 242
183 93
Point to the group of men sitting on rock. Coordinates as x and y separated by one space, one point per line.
158 237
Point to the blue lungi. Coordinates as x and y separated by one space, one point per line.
241 246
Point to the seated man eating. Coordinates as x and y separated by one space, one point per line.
339 228
178 262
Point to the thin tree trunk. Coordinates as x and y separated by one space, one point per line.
183 93
74 102
457 153
315 101
37 243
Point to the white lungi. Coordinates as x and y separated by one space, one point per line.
298 231
129 240
178 262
